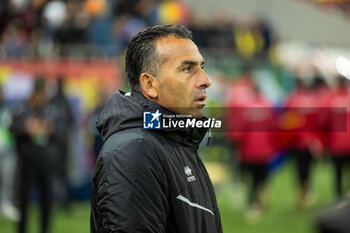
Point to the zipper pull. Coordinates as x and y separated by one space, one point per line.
209 137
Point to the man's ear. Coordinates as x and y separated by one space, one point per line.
149 85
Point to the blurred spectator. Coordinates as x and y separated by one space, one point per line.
65 121
15 39
237 96
322 94
254 137
34 129
339 131
241 91
303 124
73 28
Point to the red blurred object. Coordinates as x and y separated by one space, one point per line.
338 120
107 71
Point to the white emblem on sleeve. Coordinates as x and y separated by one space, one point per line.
188 172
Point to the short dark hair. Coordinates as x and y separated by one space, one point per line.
141 54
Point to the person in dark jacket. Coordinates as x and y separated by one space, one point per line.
34 129
153 180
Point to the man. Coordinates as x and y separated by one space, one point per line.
153 181
34 128
339 132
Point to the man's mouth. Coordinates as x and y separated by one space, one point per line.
201 100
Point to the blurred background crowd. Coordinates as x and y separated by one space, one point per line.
99 27
280 73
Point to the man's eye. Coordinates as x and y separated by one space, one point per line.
187 69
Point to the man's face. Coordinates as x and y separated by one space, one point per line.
182 80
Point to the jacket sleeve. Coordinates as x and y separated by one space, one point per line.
131 190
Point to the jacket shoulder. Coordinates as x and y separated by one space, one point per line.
129 152
134 140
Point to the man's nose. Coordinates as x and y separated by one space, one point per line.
204 80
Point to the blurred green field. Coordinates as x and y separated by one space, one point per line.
281 216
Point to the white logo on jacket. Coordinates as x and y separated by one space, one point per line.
188 172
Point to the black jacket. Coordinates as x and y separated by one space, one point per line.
39 149
146 180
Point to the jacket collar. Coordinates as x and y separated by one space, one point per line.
190 137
